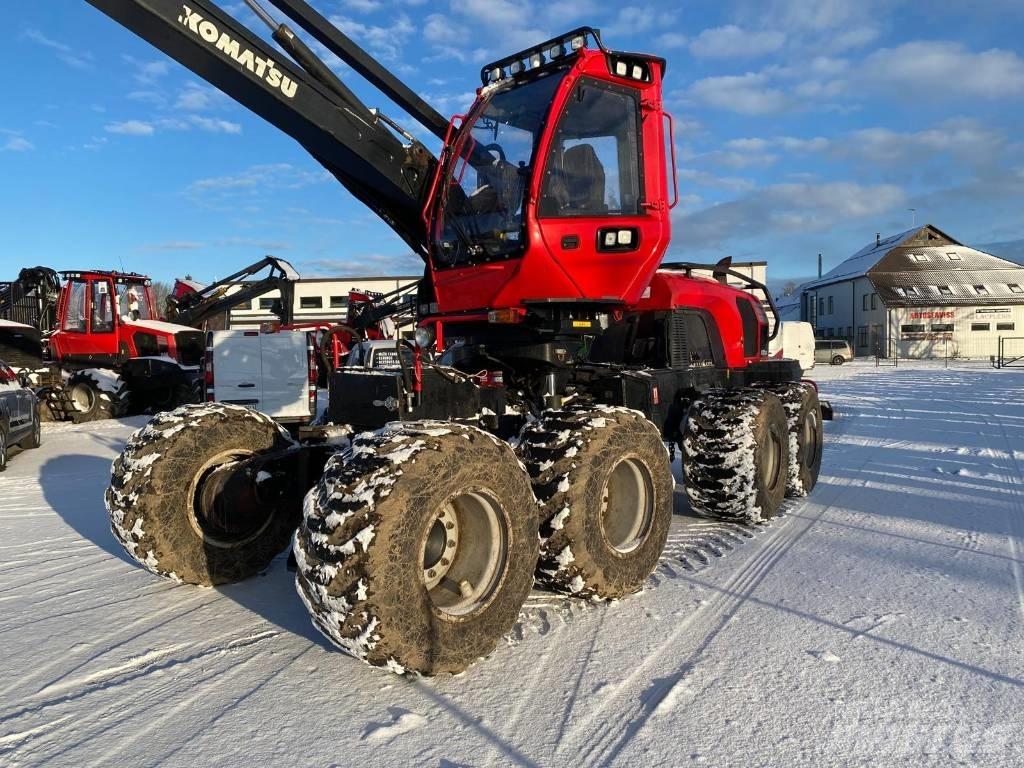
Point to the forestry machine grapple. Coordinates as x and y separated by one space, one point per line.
534 448
93 346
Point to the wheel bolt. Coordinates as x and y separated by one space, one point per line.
431 574
451 542
449 526
444 561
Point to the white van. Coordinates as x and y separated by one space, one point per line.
795 341
274 373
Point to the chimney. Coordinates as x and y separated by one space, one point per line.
878 239
819 265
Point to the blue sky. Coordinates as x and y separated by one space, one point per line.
801 127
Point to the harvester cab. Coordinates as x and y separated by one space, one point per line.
554 186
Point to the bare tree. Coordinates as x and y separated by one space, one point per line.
789 288
160 293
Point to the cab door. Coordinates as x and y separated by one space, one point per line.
88 330
602 211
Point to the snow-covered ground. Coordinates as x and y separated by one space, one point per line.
879 622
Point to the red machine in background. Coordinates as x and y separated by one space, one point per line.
99 346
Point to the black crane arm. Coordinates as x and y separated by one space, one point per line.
195 308
311 105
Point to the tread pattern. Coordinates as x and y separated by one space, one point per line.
131 474
718 450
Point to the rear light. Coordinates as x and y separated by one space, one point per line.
208 370
311 353
506 315
655 395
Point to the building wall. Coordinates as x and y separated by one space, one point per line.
849 310
332 294
929 337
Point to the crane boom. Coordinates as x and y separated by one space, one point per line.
387 174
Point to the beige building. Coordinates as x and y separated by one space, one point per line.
316 299
918 294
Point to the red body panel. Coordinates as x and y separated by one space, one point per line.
546 270
670 290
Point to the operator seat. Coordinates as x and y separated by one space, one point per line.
579 187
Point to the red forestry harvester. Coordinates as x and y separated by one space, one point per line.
93 345
537 451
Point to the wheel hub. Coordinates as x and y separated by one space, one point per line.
225 513
83 397
464 553
627 505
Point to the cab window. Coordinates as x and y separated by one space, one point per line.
593 167
102 308
74 320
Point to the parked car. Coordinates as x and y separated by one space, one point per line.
19 414
794 341
832 351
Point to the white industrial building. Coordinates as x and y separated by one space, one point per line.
918 294
316 299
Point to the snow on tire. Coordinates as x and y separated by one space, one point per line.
803 418
417 547
95 394
736 454
603 478
154 487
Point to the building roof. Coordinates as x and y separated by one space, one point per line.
948 275
870 255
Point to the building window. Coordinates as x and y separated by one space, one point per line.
864 302
918 257
339 302
942 327
821 306
911 291
912 328
849 332
981 290
1005 326
267 303
828 333
945 290
311 302
831 305
874 301
1015 288
979 326
953 256
862 336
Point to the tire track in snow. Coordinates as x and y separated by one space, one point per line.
1014 479
698 631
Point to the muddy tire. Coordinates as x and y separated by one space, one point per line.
605 486
418 546
3 449
736 455
154 484
806 435
92 397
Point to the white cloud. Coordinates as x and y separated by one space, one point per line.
214 125
131 128
363 6
147 72
258 178
946 69
749 94
787 208
733 42
64 52
671 40
16 144
386 43
197 98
